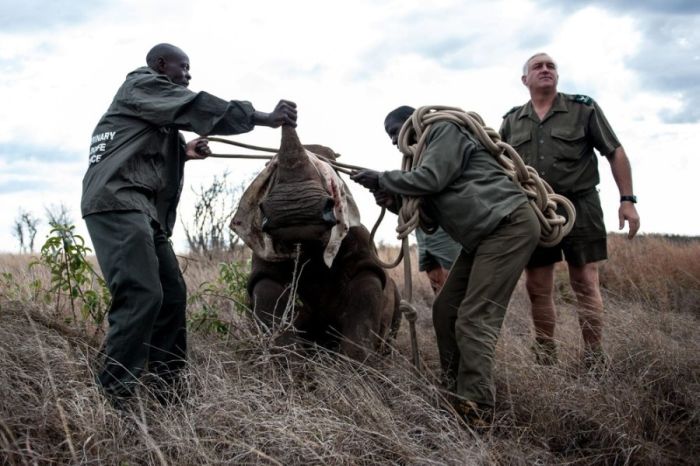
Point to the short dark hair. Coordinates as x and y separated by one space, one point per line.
401 114
161 51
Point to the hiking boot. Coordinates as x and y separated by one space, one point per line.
118 397
545 352
476 417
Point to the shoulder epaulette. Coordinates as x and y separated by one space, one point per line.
517 107
580 98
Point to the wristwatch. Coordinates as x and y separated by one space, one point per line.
632 199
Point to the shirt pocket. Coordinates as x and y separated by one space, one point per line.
568 143
520 139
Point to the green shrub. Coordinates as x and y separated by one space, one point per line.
65 255
226 293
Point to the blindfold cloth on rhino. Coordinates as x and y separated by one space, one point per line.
248 219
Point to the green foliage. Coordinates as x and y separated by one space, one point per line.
64 254
10 288
233 278
227 292
207 320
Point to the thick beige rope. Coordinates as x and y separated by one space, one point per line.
340 167
542 198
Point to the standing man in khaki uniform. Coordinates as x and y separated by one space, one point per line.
470 196
556 133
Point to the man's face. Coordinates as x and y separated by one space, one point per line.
392 127
541 73
177 68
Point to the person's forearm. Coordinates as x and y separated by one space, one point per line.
621 171
261 118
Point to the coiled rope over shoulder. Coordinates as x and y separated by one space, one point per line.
542 198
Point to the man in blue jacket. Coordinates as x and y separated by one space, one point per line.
130 195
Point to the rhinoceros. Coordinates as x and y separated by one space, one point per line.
298 214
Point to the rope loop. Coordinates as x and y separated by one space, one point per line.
408 310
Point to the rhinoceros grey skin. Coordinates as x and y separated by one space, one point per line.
352 306
297 207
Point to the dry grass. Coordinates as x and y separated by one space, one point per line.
661 272
249 404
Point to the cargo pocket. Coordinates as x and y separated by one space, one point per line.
520 138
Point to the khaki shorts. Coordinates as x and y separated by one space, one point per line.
587 241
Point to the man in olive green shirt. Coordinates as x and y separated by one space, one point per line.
470 196
130 194
556 133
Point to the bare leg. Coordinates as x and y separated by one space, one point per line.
540 288
437 277
584 281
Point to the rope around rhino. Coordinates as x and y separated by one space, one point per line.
341 167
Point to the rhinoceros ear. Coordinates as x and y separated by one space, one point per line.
323 151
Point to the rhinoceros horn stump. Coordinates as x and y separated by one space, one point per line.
352 305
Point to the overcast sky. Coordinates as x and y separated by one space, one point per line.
346 64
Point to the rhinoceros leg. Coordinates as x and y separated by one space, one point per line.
360 315
270 304
269 300
391 316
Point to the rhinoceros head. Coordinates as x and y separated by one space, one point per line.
296 198
298 206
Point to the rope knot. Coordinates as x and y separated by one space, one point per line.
408 310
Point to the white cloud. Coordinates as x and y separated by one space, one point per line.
345 65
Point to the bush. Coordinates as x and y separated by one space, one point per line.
65 255
227 294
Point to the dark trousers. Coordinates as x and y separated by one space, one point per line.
469 311
147 323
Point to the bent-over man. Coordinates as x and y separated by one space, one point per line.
470 196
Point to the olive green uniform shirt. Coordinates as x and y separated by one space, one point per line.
137 154
463 187
560 147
